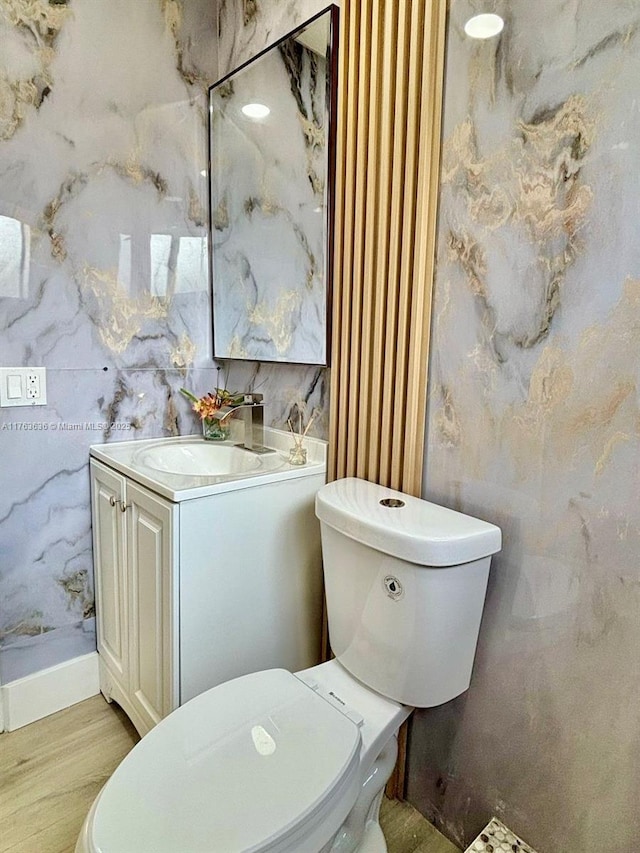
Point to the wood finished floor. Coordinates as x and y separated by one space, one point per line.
51 771
407 831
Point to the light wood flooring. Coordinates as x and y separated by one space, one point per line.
51 771
407 831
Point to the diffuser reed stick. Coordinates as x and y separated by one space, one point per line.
298 453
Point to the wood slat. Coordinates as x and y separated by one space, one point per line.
348 70
382 256
391 414
424 244
368 284
359 289
405 280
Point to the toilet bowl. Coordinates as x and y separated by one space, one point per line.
296 763
270 761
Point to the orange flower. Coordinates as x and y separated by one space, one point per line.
208 405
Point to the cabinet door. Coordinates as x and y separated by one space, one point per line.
107 491
150 545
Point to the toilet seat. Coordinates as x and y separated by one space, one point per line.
258 763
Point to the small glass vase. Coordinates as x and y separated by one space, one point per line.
298 455
213 430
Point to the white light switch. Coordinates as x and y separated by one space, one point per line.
23 386
14 386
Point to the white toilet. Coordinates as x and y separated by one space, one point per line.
296 763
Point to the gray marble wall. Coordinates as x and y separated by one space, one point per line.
103 272
534 424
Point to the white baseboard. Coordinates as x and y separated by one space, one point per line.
36 696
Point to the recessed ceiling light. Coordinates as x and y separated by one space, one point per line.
484 26
256 110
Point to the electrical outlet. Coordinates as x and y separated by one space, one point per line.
23 386
33 386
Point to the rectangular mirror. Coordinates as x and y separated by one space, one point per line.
271 156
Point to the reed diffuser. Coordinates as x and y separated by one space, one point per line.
298 453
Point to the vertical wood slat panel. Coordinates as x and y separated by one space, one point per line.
391 67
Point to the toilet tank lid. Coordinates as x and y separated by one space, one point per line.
417 531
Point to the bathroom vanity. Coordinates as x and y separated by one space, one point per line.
207 566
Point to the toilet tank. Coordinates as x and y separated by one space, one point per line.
405 583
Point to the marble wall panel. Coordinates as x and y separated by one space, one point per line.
103 273
104 277
246 27
534 424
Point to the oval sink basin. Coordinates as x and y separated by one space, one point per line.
199 459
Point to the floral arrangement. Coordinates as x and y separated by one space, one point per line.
210 403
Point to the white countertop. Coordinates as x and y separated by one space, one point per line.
127 457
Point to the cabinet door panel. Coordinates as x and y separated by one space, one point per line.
107 489
150 544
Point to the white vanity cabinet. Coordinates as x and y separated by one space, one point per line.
135 552
199 582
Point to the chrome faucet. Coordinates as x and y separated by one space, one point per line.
253 416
